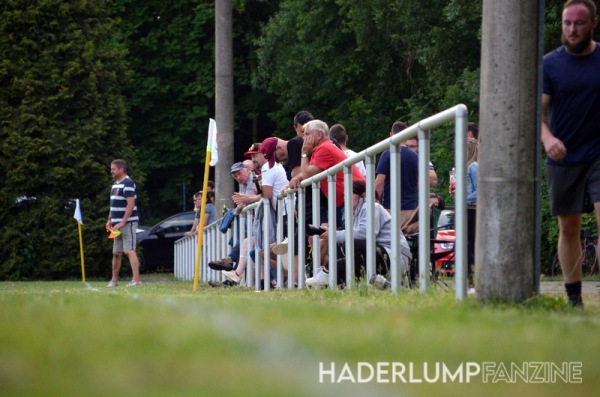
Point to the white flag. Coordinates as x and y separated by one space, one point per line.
77 214
213 146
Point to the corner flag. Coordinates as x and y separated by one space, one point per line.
79 219
213 146
77 214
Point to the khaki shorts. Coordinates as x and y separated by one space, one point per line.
126 241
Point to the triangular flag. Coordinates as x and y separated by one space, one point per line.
77 214
213 146
113 233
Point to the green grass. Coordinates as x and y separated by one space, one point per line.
163 339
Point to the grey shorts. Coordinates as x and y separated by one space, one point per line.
126 241
573 189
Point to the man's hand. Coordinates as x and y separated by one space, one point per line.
555 148
310 143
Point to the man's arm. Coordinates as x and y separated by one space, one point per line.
433 179
554 147
379 182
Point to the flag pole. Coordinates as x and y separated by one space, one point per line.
81 252
210 147
200 229
79 220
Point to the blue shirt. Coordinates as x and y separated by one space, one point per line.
472 173
573 82
409 177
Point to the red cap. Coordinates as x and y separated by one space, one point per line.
255 148
268 147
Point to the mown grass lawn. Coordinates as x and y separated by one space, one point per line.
163 339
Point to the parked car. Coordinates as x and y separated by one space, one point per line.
157 243
446 235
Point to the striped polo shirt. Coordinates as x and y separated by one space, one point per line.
118 200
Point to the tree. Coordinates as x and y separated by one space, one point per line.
171 47
62 121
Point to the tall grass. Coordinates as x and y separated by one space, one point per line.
162 339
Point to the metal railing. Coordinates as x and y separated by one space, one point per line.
422 130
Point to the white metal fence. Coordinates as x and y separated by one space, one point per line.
216 246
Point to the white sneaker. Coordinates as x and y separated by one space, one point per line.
112 283
134 283
232 276
319 279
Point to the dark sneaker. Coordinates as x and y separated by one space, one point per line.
223 264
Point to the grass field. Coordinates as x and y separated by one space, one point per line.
163 339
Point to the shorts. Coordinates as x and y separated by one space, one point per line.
127 240
573 189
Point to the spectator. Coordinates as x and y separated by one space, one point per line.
210 210
472 173
413 144
300 119
409 176
273 180
318 154
242 173
338 132
383 235
472 131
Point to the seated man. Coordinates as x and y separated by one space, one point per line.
383 234
247 194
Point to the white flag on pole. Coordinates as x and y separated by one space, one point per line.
77 214
213 146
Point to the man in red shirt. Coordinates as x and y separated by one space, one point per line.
319 154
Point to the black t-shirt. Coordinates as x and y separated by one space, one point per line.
294 149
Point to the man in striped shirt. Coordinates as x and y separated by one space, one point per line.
123 217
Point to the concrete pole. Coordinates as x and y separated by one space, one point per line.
505 244
224 184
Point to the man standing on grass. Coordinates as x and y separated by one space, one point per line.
123 217
571 135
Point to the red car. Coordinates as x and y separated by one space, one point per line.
443 250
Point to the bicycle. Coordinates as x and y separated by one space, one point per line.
589 255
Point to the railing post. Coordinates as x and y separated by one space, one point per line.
301 237
291 238
316 220
460 203
349 221
424 218
395 209
280 211
371 244
332 225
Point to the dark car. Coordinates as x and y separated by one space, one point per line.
157 243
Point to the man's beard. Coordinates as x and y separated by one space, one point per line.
581 46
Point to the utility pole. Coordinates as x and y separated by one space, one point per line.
509 123
224 184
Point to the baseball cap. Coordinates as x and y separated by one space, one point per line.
237 167
268 147
255 148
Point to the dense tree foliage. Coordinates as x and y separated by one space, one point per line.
171 92
62 121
